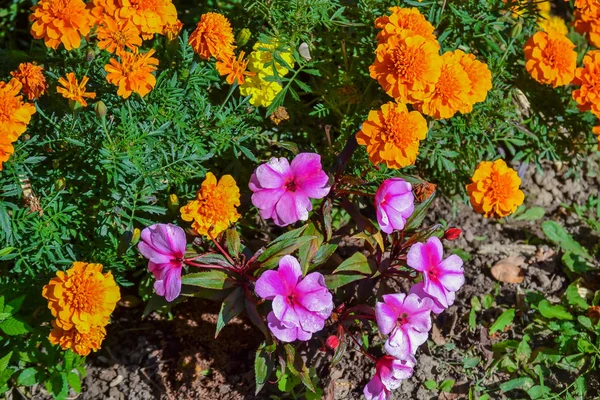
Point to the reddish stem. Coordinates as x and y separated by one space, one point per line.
362 349
225 254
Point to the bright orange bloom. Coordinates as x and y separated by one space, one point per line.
14 113
480 77
451 90
82 297
551 58
401 19
407 67
60 21
150 16
494 191
133 73
74 90
80 343
114 34
235 69
588 24
171 31
392 135
6 150
596 131
214 208
213 37
32 78
587 78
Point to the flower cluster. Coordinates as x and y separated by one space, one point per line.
587 20
494 190
410 69
15 115
81 300
215 206
266 68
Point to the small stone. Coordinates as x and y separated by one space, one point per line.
116 381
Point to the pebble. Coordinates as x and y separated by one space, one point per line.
116 381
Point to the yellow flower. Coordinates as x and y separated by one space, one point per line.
553 23
494 191
214 208
14 113
262 60
263 92
74 90
82 297
80 343
32 78
392 135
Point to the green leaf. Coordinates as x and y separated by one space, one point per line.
263 366
557 234
256 318
323 254
74 381
14 326
69 358
573 296
4 361
27 377
230 308
296 365
524 350
471 362
574 263
334 282
418 215
553 311
232 240
356 263
504 320
276 250
487 301
339 351
430 384
59 386
213 279
538 391
447 385
532 214
522 383
308 250
14 305
213 259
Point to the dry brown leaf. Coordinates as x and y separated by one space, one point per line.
437 337
508 270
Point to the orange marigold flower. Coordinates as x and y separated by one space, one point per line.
214 208
409 19
407 66
60 21
494 191
451 90
6 150
74 90
32 78
551 58
480 78
213 37
80 343
114 34
596 131
588 25
235 69
133 73
171 31
587 78
150 16
392 135
82 297
15 114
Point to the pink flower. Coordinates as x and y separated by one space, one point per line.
283 191
390 372
441 278
300 305
394 202
436 307
164 246
406 319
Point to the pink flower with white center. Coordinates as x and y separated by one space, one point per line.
390 372
394 204
283 191
441 278
407 321
300 305
164 246
436 307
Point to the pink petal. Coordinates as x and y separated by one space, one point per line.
266 199
287 211
395 300
303 335
386 317
154 256
312 293
290 273
309 322
165 239
416 338
269 285
284 312
451 273
383 220
172 284
424 257
418 312
398 344
309 176
374 390
280 331
435 290
397 219
417 289
273 174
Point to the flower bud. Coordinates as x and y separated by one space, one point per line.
74 105
243 36
90 55
332 342
173 203
60 184
100 109
516 30
452 233
136 236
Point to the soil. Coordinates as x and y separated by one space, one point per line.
179 359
